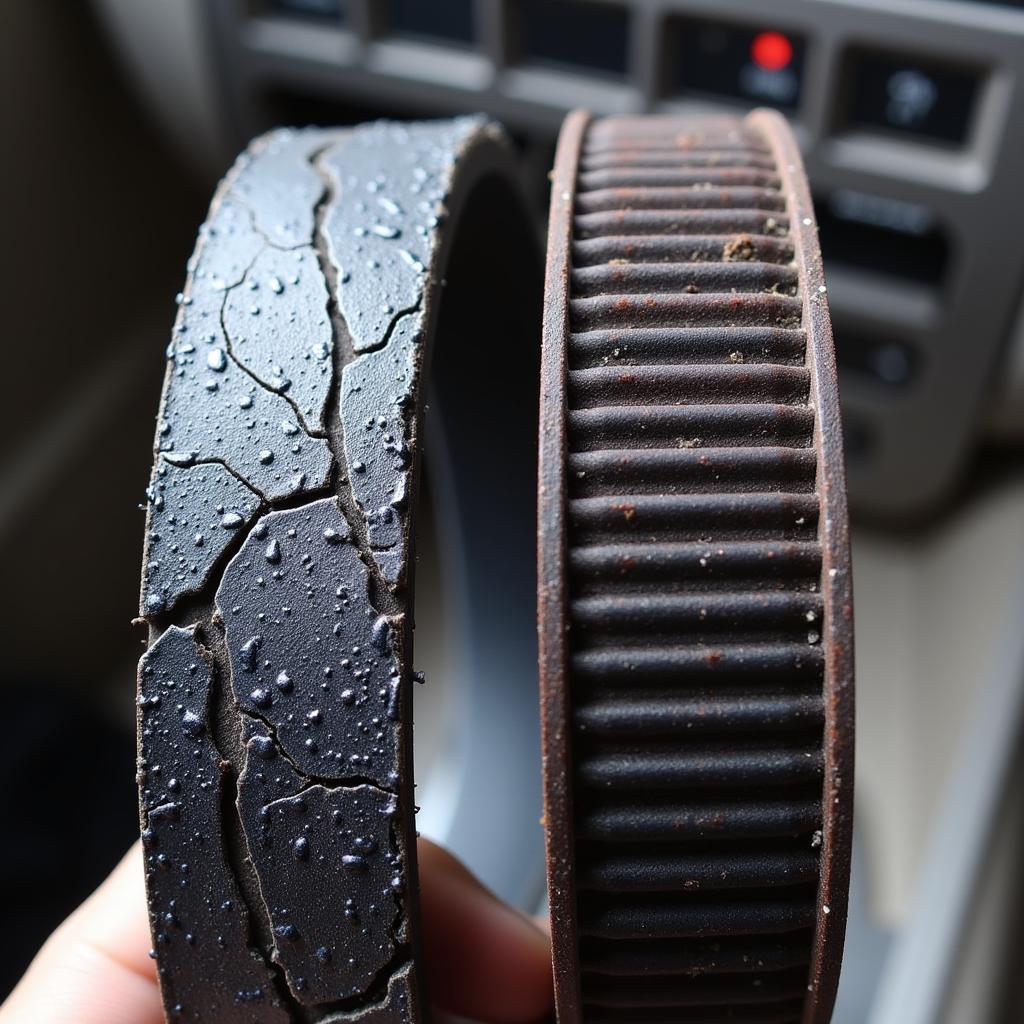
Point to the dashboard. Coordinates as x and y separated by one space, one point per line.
910 115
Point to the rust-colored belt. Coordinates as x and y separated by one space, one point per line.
695 591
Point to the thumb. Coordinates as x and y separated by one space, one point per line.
484 960
95 968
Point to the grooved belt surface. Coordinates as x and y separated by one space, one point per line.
688 726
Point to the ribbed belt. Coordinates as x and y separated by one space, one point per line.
695 602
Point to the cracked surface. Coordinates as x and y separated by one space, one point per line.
278 328
199 922
195 513
391 184
337 842
376 388
277 182
309 653
251 352
396 1008
275 783
222 414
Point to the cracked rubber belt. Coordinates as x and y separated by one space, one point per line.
275 706
695 602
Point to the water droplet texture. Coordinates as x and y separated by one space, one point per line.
199 922
287 347
279 185
310 614
298 844
273 769
398 211
224 400
185 502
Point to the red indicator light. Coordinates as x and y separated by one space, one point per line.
771 51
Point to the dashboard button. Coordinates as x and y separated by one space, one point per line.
751 63
327 10
919 98
573 33
451 21
882 235
883 360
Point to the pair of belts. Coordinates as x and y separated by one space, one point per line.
694 581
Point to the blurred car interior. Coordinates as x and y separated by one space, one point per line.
120 116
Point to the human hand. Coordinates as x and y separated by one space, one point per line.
484 960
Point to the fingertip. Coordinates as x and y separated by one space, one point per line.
95 968
484 959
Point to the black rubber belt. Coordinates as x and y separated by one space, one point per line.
695 601
275 708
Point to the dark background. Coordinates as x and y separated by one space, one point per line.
99 218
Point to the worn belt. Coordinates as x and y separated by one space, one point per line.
695 592
275 706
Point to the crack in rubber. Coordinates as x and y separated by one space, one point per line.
251 373
343 353
198 608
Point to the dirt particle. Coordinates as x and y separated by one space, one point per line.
739 248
